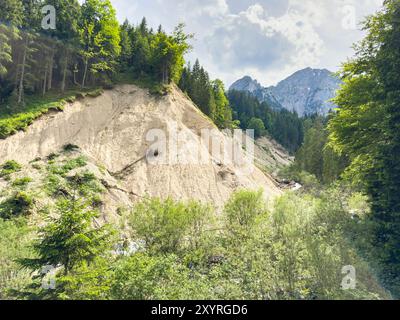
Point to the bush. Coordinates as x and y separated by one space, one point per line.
143 277
307 180
70 147
17 205
164 225
9 167
297 251
243 208
72 164
14 244
21 182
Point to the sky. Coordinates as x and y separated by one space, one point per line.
265 39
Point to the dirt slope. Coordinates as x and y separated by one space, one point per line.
270 156
111 131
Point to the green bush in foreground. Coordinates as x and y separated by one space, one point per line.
296 251
174 250
14 244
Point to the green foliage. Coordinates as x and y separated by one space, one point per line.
208 95
366 128
167 53
242 210
164 225
296 251
83 183
70 147
14 244
284 126
22 182
66 167
70 239
19 204
315 155
8 168
14 118
258 126
86 282
152 58
306 179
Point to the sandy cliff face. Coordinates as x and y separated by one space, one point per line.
112 130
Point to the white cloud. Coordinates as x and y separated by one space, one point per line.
266 39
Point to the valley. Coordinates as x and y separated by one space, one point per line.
129 172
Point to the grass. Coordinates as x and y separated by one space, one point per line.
8 168
14 118
68 166
18 204
22 182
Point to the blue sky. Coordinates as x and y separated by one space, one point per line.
266 39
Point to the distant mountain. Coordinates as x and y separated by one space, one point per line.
307 91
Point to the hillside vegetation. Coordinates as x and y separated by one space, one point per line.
78 195
166 249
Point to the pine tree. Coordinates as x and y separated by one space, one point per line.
126 45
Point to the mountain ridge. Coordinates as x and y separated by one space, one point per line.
306 91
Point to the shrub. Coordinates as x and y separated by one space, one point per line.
21 182
143 277
164 224
52 156
14 245
307 180
243 208
9 167
70 147
17 205
86 183
72 164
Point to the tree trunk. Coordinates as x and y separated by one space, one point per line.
85 73
51 67
18 58
75 72
21 80
45 80
64 73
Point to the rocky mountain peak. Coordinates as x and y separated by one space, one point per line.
306 91
246 84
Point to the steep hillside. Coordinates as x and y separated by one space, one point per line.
110 131
270 156
307 91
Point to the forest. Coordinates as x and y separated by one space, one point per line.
284 126
347 213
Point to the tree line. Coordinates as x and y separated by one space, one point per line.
366 128
87 48
359 143
316 156
208 95
284 126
